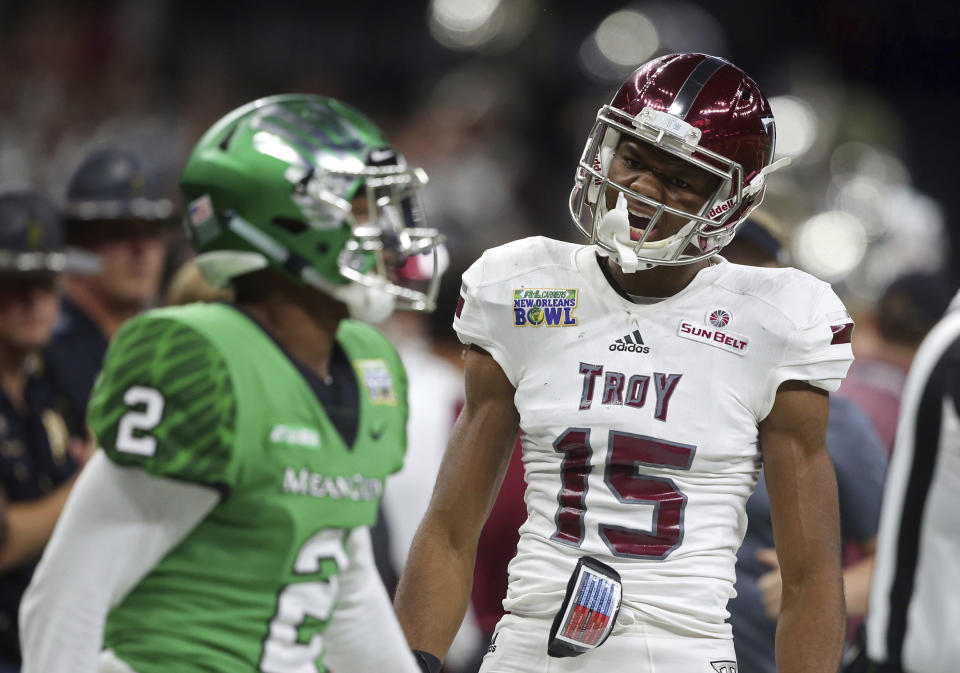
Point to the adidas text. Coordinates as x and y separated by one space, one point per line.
630 343
630 348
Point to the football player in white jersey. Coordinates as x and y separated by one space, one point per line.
649 378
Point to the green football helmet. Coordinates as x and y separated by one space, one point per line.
271 184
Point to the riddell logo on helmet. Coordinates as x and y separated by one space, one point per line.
597 166
721 208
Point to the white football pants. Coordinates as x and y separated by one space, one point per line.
520 646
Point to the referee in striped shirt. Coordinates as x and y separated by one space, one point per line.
914 620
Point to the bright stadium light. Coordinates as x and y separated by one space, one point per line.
463 24
475 24
830 245
862 159
797 125
463 16
683 26
621 42
635 33
627 38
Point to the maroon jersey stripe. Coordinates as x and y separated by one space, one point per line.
842 334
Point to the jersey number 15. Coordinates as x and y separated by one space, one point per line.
626 453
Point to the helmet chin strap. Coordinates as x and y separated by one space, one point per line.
614 230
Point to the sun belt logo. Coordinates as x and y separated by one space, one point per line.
552 307
724 339
631 343
719 317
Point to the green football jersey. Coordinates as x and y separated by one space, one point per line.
200 393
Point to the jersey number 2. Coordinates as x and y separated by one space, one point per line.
627 452
283 650
143 420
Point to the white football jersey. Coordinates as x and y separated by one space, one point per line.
639 421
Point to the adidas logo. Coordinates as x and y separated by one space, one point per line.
631 343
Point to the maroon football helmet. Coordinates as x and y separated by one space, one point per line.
702 109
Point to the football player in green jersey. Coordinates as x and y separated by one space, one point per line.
223 526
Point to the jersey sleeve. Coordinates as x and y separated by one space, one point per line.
165 402
476 318
817 350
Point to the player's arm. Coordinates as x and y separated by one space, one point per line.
363 617
117 524
805 515
435 587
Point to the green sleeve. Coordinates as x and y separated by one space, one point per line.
165 402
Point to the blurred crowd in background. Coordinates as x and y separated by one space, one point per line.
494 98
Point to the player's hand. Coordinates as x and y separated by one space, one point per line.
80 450
770 584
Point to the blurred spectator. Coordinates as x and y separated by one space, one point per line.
915 595
117 209
860 462
758 242
36 467
465 136
909 307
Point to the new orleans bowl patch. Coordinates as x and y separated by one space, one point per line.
536 306
376 378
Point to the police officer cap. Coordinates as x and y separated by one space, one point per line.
31 237
112 184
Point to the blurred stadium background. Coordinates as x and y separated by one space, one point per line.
495 98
